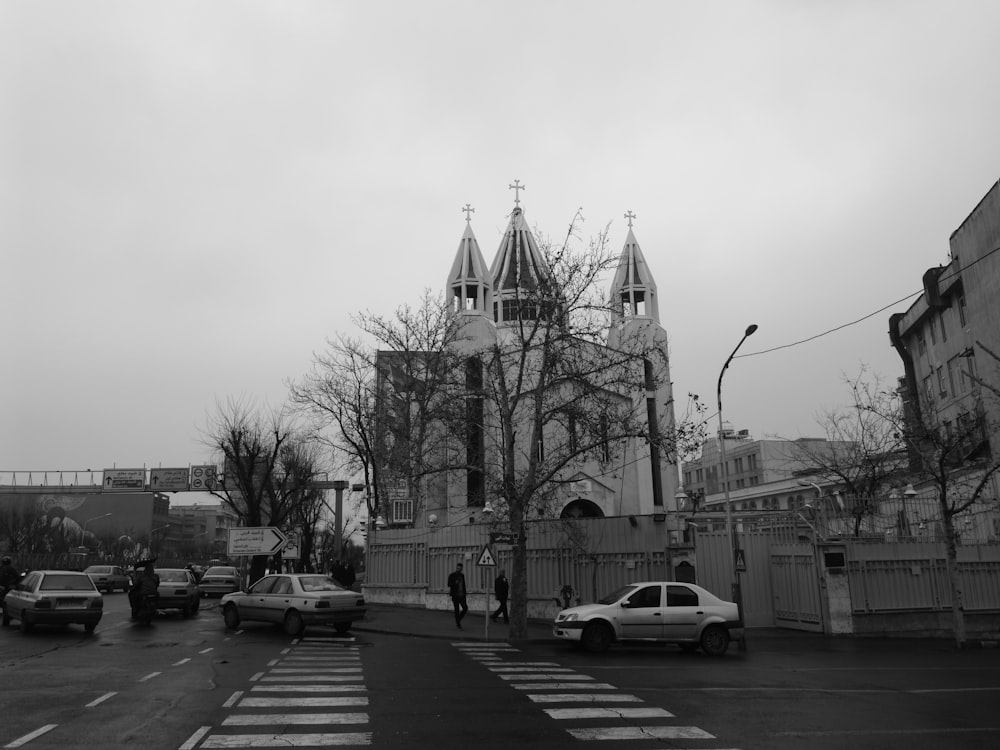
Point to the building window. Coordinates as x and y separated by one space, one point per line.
932 327
940 381
738 466
955 377
944 327
752 462
921 344
961 310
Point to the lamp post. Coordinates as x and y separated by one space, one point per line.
83 531
819 499
908 494
484 577
733 546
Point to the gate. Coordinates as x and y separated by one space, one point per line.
795 586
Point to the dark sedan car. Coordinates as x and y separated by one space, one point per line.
219 581
178 590
109 578
54 597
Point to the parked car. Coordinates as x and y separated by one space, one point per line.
295 600
220 580
54 597
109 578
178 589
654 611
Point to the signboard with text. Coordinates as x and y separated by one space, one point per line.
256 540
124 480
168 480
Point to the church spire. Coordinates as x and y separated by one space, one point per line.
469 281
518 270
633 291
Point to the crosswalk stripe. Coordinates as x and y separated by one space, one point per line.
527 670
531 676
602 712
312 678
564 686
583 698
316 670
286 740
302 702
281 719
308 689
641 733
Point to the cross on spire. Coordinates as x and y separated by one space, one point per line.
468 210
629 215
517 188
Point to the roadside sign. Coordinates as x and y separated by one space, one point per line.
256 540
203 477
168 480
124 480
486 558
503 537
741 560
291 550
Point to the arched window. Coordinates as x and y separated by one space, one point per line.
581 508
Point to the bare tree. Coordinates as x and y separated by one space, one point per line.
269 466
863 451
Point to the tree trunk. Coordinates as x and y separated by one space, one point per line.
519 591
954 580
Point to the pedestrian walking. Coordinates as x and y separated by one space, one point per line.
456 588
501 589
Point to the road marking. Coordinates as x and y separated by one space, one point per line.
530 676
528 663
863 732
528 670
564 686
641 733
287 740
312 678
206 650
316 670
29 737
302 702
100 700
182 661
256 676
600 712
195 738
232 699
282 719
585 698
150 676
308 689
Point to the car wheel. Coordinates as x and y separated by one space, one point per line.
293 623
714 640
90 627
26 624
597 637
196 606
6 617
185 612
342 628
232 617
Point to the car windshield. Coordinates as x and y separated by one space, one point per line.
617 594
173 576
319 583
66 582
227 572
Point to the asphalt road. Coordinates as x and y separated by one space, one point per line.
190 684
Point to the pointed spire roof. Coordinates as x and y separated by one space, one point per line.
469 279
633 290
518 263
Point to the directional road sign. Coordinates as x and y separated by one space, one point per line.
168 480
256 540
124 480
486 558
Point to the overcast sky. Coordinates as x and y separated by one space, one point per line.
194 196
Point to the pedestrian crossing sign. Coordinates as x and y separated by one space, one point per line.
741 560
486 558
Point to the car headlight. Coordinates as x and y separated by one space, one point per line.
569 617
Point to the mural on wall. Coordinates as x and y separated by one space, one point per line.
110 526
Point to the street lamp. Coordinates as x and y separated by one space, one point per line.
819 499
83 531
733 548
908 494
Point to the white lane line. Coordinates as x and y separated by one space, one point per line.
316 670
564 686
284 651
584 698
256 676
243 720
528 670
303 702
532 676
150 676
101 700
29 737
528 663
182 661
273 662
232 699
308 689
287 740
641 733
602 712
206 650
195 738
312 678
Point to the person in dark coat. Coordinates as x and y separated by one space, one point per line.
501 589
349 576
457 591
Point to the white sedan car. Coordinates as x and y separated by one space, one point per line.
654 611
295 600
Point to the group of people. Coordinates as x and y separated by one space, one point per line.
9 576
458 592
343 574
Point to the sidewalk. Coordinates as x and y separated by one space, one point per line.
428 623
